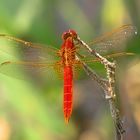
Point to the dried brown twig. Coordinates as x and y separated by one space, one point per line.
107 85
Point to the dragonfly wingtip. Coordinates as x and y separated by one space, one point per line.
130 53
6 62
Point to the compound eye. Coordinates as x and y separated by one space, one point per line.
69 33
65 35
73 33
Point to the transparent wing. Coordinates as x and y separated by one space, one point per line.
17 56
94 63
110 56
113 40
25 49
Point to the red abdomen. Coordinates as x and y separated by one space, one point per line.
68 92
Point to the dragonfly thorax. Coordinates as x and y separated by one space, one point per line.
67 52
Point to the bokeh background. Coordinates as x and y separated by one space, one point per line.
32 110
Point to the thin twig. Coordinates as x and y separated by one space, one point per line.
106 84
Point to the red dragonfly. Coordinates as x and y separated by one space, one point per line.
65 59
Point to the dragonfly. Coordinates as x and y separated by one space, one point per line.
64 60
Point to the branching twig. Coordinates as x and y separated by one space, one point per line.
106 84
107 87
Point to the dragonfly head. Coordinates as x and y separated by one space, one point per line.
69 33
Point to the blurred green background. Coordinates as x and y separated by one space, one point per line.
32 110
